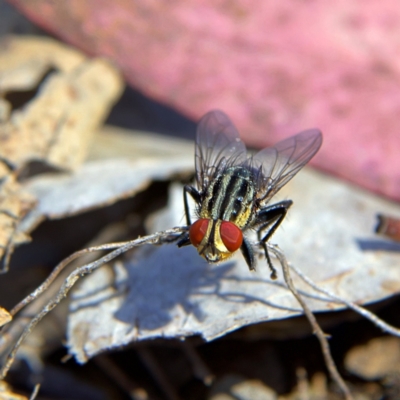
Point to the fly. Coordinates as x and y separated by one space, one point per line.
234 189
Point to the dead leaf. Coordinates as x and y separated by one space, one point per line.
74 96
96 184
6 393
115 142
52 99
376 359
5 316
15 202
234 387
173 293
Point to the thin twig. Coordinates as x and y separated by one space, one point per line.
35 392
360 310
330 364
36 300
73 277
58 269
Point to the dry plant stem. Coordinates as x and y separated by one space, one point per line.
58 269
330 364
35 392
73 277
358 309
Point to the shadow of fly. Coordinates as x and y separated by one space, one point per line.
234 189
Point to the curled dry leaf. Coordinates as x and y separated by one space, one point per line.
74 95
6 393
232 387
15 202
169 292
52 99
376 359
5 316
97 184
106 179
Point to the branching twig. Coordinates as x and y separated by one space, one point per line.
169 236
358 309
73 277
330 364
58 269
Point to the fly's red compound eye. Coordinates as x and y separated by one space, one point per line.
197 231
231 235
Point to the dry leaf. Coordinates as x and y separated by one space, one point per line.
6 393
115 142
14 204
235 387
96 184
376 359
5 316
74 96
172 293
52 100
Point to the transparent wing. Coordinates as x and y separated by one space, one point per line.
280 163
217 145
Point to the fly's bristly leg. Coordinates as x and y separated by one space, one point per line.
248 254
184 240
269 219
196 197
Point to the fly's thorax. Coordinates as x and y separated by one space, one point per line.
230 196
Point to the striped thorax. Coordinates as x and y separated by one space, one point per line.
228 198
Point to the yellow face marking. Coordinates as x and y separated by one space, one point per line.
212 247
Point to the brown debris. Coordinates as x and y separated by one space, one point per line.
6 393
52 99
73 97
14 204
377 359
5 316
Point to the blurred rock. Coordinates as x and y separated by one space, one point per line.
377 359
233 387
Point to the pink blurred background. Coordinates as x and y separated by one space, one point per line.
275 67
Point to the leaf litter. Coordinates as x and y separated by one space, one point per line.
165 292
52 99
172 293
74 94
161 291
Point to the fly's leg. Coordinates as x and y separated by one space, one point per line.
269 218
196 197
248 254
184 239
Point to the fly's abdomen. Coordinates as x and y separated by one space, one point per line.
230 197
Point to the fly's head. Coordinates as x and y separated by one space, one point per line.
215 240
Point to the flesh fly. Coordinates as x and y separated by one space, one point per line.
234 189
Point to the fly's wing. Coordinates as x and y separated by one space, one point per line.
217 145
277 165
